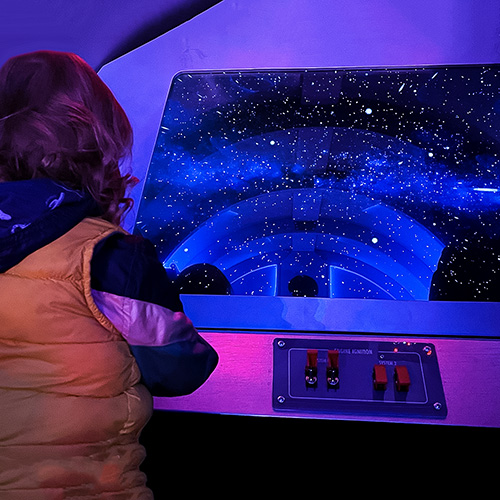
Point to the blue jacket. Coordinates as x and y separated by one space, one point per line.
129 284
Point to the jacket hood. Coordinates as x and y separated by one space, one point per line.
34 213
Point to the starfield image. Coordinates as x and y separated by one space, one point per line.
354 183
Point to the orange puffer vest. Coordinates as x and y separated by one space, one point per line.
71 406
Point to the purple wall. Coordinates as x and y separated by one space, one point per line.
97 30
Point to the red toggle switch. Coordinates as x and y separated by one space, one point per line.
379 378
332 368
402 378
311 371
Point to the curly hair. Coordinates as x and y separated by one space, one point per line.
58 120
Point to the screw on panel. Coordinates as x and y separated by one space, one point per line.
281 343
437 406
281 399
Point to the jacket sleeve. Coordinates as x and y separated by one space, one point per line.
131 287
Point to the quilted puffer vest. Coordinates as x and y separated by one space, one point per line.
71 406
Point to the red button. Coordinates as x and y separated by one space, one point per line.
379 378
311 370
333 359
402 378
312 358
332 369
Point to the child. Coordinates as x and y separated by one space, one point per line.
90 324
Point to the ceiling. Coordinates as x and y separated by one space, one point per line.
99 31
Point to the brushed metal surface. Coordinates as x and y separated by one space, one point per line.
242 382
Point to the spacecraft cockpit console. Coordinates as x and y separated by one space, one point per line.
334 211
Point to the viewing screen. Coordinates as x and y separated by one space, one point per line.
362 183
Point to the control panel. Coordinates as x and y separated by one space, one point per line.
378 378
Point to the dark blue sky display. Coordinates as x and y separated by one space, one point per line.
424 141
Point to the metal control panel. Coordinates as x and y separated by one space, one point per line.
444 355
398 378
